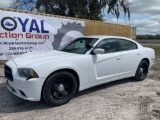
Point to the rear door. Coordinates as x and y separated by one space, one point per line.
130 57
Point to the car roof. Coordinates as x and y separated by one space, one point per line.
105 36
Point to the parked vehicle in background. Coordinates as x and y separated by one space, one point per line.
85 62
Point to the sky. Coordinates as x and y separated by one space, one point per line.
145 15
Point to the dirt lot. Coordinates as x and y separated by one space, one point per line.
121 100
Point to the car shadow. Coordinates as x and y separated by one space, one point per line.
10 103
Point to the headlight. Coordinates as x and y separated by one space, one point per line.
28 73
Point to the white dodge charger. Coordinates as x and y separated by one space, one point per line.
57 75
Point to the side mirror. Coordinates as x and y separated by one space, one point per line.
98 51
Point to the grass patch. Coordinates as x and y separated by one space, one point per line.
154 67
148 41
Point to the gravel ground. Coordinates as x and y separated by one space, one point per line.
154 73
121 100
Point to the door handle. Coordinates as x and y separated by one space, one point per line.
138 54
118 58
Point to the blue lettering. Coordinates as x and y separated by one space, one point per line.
42 28
34 23
23 24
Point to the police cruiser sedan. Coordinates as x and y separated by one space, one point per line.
57 75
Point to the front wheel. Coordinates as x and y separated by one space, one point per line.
59 88
142 71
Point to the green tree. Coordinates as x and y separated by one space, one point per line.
87 9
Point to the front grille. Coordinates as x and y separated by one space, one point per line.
8 73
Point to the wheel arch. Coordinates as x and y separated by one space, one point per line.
137 77
73 72
147 60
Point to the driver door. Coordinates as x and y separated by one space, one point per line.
105 67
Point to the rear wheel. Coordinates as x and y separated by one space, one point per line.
59 88
142 70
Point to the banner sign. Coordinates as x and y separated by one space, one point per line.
22 33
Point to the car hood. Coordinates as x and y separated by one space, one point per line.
35 57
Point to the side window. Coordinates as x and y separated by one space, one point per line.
79 44
124 45
134 46
109 45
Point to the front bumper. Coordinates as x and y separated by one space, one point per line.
26 89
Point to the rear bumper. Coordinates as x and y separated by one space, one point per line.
26 89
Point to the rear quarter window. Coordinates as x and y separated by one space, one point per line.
134 45
125 45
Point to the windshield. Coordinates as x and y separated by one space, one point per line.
79 46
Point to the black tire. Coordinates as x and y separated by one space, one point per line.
142 70
53 92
